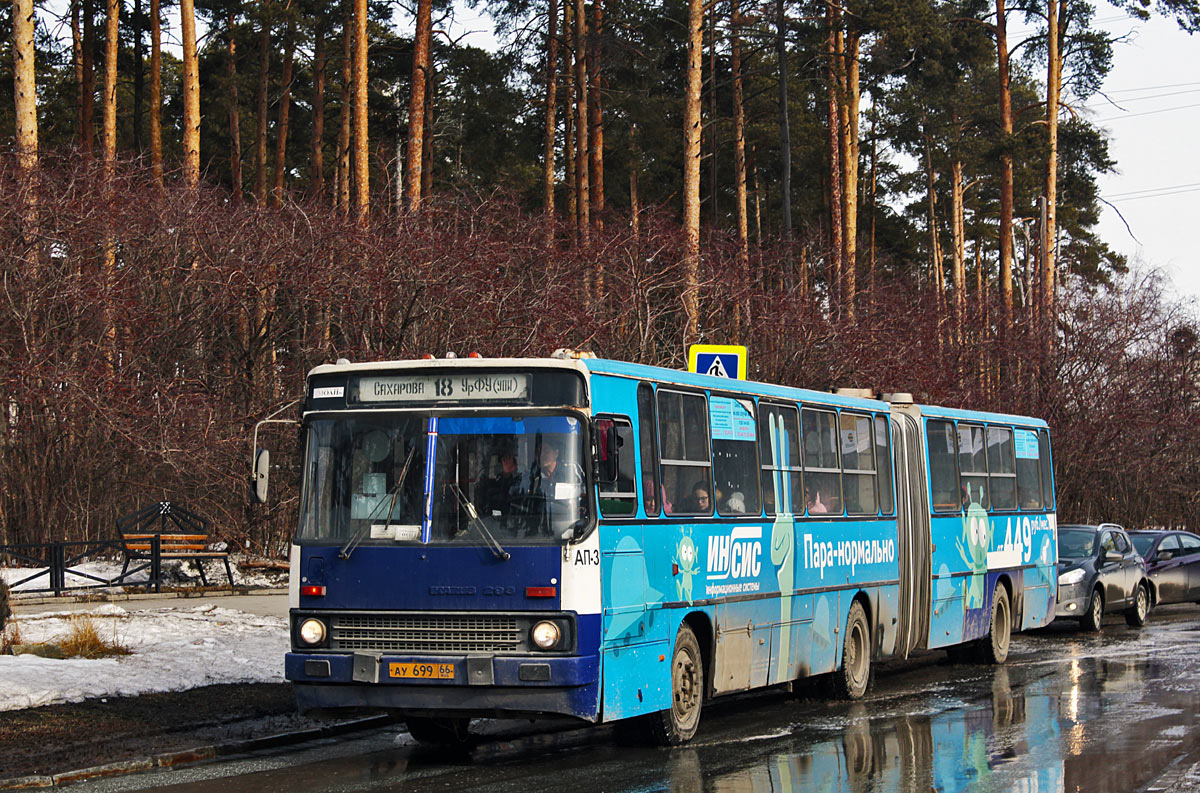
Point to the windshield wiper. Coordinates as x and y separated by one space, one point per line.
361 531
469 508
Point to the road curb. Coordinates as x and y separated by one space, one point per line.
200 754
17 601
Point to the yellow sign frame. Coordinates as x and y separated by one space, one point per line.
696 350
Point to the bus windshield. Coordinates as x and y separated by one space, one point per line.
474 480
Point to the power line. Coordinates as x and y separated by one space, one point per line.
1153 189
1146 113
1164 194
1141 98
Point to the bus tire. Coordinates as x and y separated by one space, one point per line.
1135 615
853 679
1091 619
678 723
439 731
994 648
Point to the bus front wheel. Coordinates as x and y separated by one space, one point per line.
852 680
678 723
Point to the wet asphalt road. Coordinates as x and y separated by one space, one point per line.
1109 713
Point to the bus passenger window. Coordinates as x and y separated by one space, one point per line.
683 443
779 451
619 499
1003 472
858 464
972 465
943 470
822 470
883 465
1029 485
648 449
735 463
1047 473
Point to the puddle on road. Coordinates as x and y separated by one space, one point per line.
1089 723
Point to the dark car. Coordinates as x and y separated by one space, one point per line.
1100 572
1172 562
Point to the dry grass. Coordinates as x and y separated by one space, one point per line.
83 640
10 636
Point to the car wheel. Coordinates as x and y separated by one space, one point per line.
852 680
1095 612
678 723
994 649
1135 615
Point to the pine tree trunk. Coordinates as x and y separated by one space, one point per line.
835 161
785 137
739 145
596 126
25 86
77 63
416 104
1049 232
362 184
342 194
156 144
139 77
691 172
87 132
572 215
191 95
111 45
1006 171
550 125
427 138
935 243
316 177
849 148
260 132
285 107
957 224
235 115
583 201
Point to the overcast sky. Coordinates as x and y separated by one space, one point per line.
1153 137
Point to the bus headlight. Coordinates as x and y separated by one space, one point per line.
545 635
1070 577
312 632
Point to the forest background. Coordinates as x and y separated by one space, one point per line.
885 194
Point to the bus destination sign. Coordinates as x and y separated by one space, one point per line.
472 387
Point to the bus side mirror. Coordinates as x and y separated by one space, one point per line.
259 477
606 443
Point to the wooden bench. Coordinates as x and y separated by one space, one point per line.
165 530
140 547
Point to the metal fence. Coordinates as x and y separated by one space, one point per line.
55 561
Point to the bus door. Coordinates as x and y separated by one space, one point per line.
912 518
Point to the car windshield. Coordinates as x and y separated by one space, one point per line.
1143 543
392 479
1075 544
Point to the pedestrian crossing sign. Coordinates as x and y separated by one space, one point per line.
720 360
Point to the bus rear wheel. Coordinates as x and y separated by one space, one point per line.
994 648
852 680
678 723
439 732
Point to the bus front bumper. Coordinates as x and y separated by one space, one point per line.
481 685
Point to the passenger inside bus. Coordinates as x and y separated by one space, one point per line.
699 501
815 505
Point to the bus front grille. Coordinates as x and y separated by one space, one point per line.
426 634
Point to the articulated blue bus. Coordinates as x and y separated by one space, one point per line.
604 540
